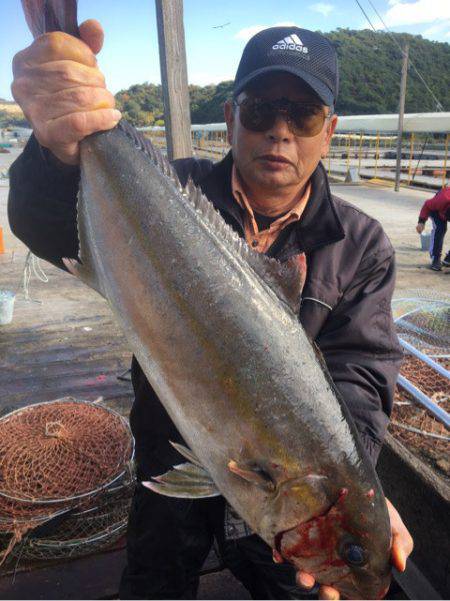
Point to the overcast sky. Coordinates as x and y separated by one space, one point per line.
216 31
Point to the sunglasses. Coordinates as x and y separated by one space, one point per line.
304 119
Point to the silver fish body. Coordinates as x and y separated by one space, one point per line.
219 341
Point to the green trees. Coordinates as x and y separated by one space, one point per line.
370 67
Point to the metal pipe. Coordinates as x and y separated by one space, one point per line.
360 151
411 153
377 152
425 358
444 171
439 413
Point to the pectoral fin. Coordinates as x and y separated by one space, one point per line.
186 481
254 475
187 453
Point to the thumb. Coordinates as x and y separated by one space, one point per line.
92 34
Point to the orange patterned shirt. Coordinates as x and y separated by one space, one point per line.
262 240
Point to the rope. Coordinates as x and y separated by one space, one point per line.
32 266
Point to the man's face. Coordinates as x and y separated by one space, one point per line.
276 160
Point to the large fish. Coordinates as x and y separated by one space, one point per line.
215 327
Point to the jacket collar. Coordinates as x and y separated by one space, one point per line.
318 226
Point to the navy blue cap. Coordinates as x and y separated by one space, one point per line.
308 55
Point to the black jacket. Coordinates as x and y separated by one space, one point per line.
346 300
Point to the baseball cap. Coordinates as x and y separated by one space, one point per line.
306 54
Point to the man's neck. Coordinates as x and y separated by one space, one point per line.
273 203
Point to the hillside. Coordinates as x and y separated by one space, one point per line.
370 67
10 107
11 114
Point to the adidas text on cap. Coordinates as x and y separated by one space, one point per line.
306 54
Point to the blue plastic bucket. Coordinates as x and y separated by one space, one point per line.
6 306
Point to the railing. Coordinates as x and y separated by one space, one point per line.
354 156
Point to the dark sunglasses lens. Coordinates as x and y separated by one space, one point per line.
306 120
256 116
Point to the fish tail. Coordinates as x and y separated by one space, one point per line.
51 15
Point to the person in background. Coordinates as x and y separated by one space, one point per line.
438 209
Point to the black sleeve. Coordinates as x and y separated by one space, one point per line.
361 348
42 204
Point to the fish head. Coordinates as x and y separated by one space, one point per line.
345 544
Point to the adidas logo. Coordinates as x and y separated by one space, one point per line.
291 42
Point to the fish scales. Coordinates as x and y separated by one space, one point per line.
216 332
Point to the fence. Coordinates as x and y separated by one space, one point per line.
363 154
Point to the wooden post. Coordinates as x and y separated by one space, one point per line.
172 58
401 112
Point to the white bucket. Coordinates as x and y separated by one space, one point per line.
425 241
6 306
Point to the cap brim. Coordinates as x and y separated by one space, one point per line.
318 87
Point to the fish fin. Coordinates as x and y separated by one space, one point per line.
285 279
153 153
51 15
83 273
73 266
255 475
187 453
185 480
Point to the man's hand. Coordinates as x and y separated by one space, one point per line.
420 227
61 90
402 546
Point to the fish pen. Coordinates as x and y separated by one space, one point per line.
358 151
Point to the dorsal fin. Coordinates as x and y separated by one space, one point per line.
285 279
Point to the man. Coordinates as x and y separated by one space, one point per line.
438 208
274 192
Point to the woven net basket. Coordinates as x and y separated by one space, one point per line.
56 457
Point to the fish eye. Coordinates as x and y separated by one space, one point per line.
353 554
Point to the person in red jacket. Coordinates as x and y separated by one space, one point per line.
438 208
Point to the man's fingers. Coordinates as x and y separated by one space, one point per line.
305 580
328 592
54 46
276 556
76 126
92 34
402 546
73 100
55 76
402 542
398 556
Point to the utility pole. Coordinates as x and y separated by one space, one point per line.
172 58
401 112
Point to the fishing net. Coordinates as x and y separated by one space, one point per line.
420 432
422 318
56 457
82 532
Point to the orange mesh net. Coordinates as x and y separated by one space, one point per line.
56 456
